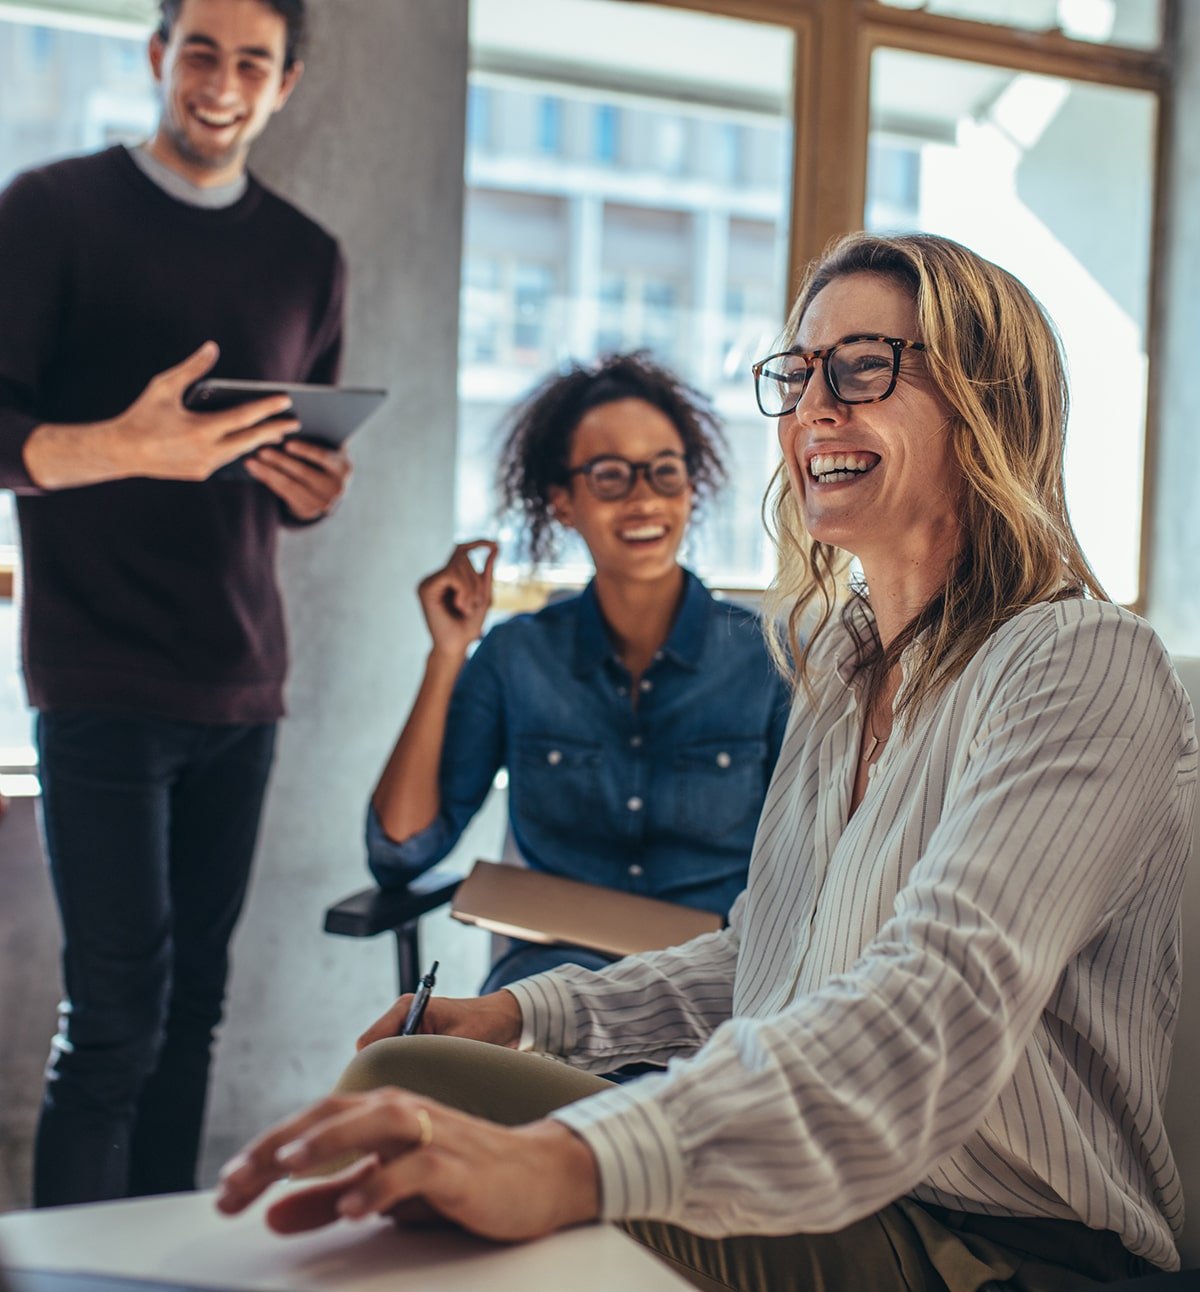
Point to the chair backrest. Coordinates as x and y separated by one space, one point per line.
1183 1123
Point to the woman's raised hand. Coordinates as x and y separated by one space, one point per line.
495 1018
455 599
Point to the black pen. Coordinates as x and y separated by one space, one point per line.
416 1011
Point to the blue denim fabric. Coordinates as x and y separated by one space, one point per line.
661 800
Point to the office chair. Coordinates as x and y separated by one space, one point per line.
372 911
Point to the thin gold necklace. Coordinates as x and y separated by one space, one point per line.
875 741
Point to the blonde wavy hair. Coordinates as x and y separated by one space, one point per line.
995 358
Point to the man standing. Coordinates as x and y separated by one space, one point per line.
153 629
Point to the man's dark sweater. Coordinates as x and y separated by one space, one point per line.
147 596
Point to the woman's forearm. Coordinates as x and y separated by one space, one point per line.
407 797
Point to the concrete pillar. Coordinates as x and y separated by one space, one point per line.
1173 605
710 274
585 215
372 146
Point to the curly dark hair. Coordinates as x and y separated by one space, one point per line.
537 444
291 11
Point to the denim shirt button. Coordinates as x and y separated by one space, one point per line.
646 685
658 654
634 804
621 690
554 757
635 871
635 742
723 759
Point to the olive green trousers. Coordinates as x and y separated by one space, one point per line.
906 1247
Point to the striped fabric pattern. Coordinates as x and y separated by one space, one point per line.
965 993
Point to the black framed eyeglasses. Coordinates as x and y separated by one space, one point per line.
858 370
611 478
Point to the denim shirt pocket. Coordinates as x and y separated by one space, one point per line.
718 785
556 782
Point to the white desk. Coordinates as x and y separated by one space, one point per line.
181 1237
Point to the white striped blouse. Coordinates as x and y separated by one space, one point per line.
964 993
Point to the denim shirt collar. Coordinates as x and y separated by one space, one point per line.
684 644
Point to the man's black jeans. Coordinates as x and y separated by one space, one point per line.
150 826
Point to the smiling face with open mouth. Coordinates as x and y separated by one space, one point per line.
875 479
638 536
222 76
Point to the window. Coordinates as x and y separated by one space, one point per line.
628 233
893 182
41 47
1137 23
482 311
533 288
604 133
1052 179
479 116
688 202
612 332
549 125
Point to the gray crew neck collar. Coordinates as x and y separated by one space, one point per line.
174 185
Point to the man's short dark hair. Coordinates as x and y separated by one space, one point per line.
291 11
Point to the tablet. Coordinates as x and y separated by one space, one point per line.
327 414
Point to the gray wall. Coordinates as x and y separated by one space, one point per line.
1174 600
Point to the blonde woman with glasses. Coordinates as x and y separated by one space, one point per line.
931 1049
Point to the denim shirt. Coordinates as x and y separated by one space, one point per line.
661 800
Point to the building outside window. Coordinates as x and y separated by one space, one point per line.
479 117
549 124
659 195
604 133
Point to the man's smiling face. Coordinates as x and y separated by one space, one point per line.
223 76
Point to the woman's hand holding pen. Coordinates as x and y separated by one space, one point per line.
455 599
495 1018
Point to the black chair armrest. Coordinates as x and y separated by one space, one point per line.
380 910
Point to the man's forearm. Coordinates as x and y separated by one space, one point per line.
60 456
157 435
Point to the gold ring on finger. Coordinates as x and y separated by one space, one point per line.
425 1122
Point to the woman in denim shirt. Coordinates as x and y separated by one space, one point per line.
639 721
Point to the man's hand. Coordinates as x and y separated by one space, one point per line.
308 477
495 1018
418 1159
156 435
